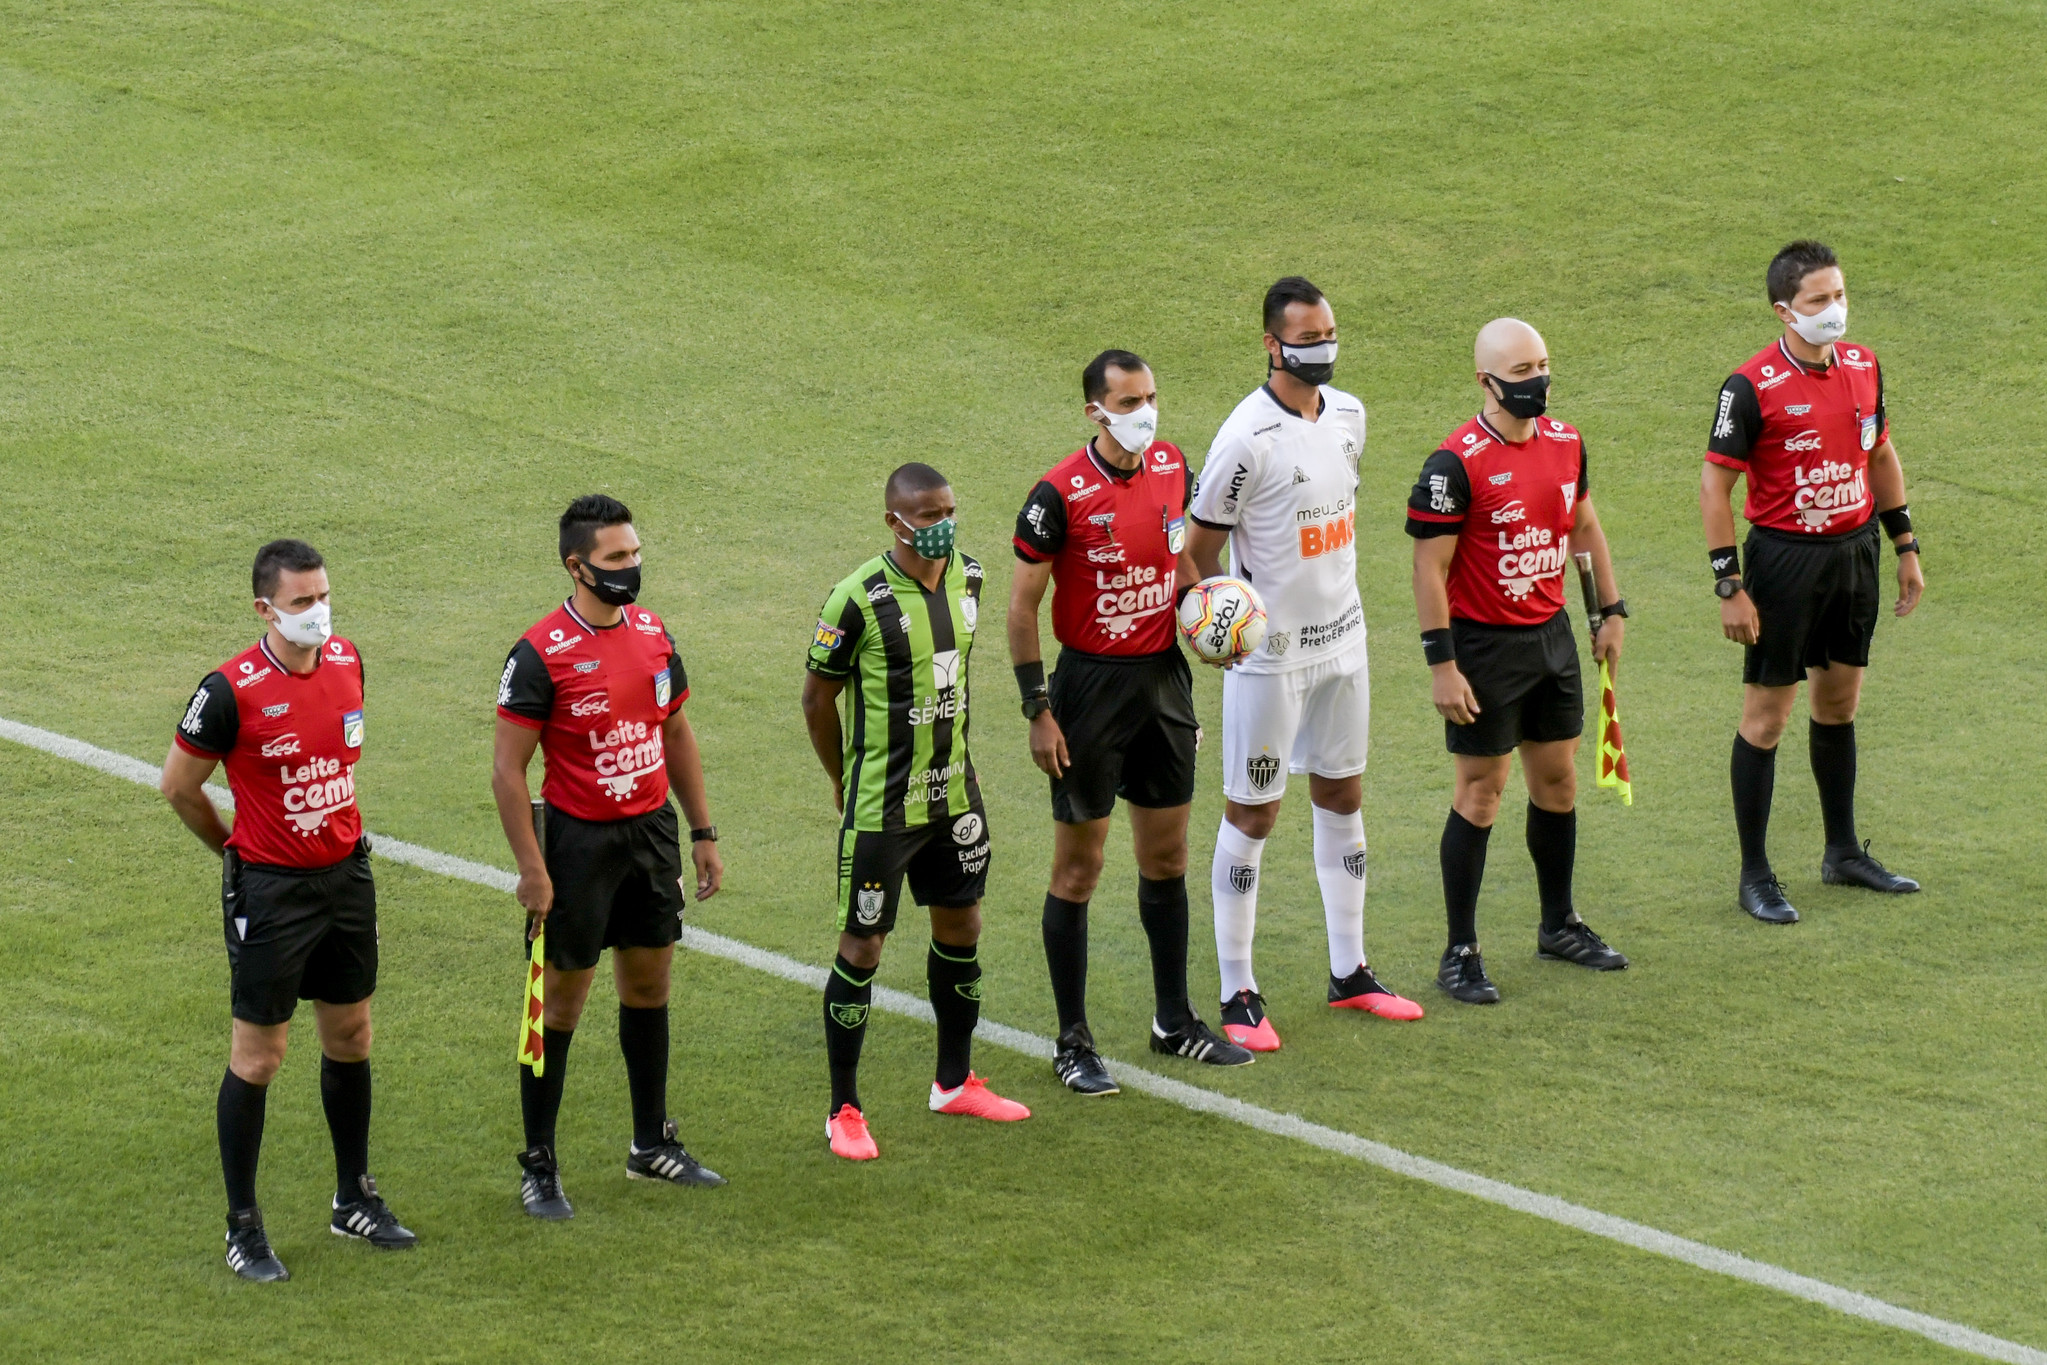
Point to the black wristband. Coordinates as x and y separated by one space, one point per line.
707 835
1437 647
1726 562
1030 679
1897 521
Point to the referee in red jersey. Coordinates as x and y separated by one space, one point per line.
298 905
1106 529
597 686
1804 421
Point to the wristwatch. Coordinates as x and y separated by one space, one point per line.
1910 547
707 835
1724 588
1619 608
1034 707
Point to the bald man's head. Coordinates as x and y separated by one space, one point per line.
1504 343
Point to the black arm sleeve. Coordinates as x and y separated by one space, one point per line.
211 721
1738 421
1584 471
1883 418
678 677
1437 503
1041 524
526 690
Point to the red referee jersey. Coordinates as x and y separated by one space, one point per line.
1511 508
1803 435
1113 539
598 696
290 742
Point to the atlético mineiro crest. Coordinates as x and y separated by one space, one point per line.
1243 877
1354 863
1262 770
661 688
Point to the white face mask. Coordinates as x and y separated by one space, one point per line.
1134 431
310 628
1818 329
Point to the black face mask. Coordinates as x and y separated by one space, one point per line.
616 588
1315 372
1529 398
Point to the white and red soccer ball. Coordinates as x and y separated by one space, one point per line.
1223 619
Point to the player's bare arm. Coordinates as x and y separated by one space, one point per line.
511 754
1716 509
1205 546
184 785
1026 591
686 776
1887 483
821 719
1448 689
1588 534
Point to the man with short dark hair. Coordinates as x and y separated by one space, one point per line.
1804 421
1105 528
597 685
900 629
298 905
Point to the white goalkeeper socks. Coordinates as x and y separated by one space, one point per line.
1340 868
1233 885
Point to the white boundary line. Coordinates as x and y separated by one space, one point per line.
1637 1235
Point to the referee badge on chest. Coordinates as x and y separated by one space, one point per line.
1869 428
661 688
351 730
1176 533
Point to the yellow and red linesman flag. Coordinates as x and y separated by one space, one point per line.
532 1042
1613 754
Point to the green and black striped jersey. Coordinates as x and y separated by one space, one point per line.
905 651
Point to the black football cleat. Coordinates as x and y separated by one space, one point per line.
1854 867
1462 975
540 1186
248 1249
1197 1041
1763 897
1576 943
369 1219
666 1160
1079 1066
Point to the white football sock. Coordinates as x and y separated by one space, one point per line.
1233 885
1340 868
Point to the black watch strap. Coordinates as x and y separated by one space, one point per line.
1910 547
1724 588
1618 608
707 835
1034 707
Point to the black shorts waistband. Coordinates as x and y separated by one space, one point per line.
361 850
1068 652
666 808
1492 628
1772 534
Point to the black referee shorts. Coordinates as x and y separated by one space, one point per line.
617 884
1129 726
1816 602
1527 685
298 933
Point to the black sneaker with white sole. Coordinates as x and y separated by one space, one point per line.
666 1160
368 1218
1576 943
1462 975
248 1249
1199 1042
1079 1066
540 1186
1854 867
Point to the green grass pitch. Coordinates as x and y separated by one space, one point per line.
403 277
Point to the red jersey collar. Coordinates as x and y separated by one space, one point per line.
1487 427
1800 365
264 645
1110 471
569 606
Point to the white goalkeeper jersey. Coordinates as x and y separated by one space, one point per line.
1286 490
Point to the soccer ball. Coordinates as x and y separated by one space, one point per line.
1222 619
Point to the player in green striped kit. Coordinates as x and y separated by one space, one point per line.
899 629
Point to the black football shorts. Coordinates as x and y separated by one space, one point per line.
1816 602
296 933
1130 732
617 884
1527 685
945 860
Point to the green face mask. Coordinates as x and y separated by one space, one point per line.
933 541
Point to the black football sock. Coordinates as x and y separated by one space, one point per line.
238 1116
1065 927
1833 767
847 992
643 1038
1754 772
1463 856
1553 843
540 1100
1162 909
954 977
345 1095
